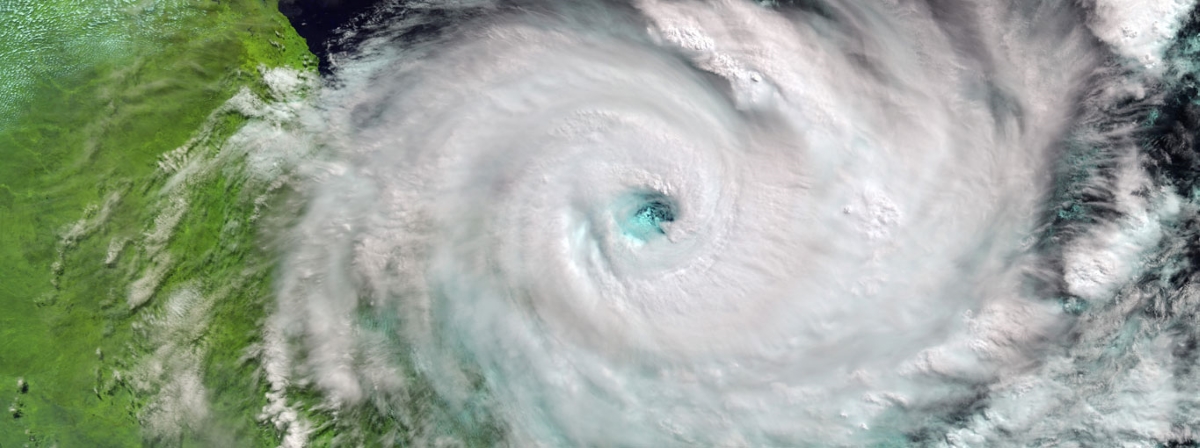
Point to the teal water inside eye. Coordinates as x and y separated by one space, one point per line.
649 212
652 215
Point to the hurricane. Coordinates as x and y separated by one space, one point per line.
600 223
727 223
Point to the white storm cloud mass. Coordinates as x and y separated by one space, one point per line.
727 223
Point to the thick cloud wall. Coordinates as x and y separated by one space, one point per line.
726 224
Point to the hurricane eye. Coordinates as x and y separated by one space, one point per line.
648 214
653 214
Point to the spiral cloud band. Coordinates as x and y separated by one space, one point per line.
681 223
